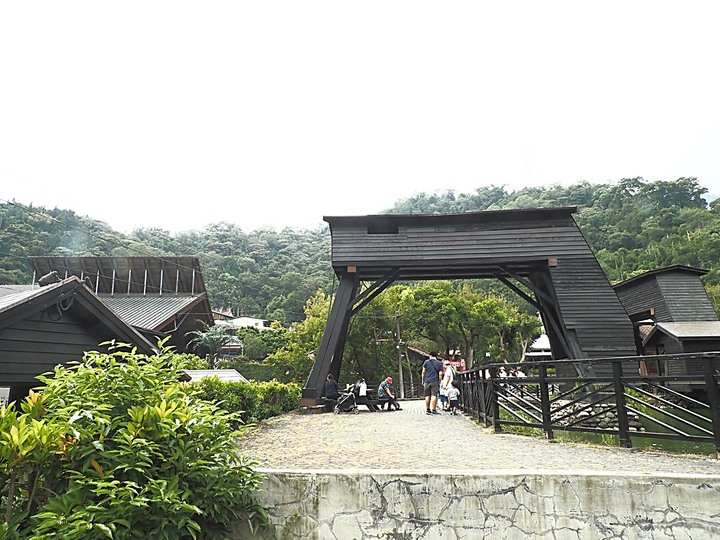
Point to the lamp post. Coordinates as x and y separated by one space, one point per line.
398 343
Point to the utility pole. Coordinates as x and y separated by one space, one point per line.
399 354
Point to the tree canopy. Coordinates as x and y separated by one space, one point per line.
632 226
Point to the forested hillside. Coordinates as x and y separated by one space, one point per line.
263 273
632 226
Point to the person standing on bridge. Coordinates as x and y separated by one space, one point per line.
453 397
445 384
432 367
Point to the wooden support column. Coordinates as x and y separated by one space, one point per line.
332 344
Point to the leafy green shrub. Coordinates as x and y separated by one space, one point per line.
188 361
253 401
115 447
258 371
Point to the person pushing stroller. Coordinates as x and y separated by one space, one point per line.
385 394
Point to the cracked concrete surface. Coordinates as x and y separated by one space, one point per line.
366 505
445 477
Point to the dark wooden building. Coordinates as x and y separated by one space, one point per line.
161 297
672 314
45 326
537 250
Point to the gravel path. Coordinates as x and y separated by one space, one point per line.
410 440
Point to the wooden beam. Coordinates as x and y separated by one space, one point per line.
371 292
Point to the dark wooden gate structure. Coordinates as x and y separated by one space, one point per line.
542 250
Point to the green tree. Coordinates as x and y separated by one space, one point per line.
296 358
210 341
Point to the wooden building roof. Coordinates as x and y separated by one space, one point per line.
688 330
161 296
669 294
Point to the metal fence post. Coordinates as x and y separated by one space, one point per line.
713 393
623 424
494 403
545 403
480 399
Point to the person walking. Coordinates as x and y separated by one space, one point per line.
385 393
447 380
432 367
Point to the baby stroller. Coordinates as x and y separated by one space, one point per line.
346 403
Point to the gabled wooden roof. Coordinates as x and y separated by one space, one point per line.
683 331
650 274
63 296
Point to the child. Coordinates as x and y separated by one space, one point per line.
443 399
453 394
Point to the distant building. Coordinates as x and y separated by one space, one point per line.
671 314
246 322
540 349
225 375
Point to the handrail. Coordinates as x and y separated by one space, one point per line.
615 398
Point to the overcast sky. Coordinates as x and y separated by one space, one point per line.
180 114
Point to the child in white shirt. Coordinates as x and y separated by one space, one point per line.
453 394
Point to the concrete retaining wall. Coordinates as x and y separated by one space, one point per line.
508 505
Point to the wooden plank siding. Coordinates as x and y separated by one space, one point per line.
591 309
644 296
685 297
479 251
488 244
672 294
34 345
675 293
53 325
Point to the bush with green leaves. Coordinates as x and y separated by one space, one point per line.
252 401
115 447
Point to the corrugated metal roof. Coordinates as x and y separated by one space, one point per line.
691 330
18 296
6 290
151 312
225 375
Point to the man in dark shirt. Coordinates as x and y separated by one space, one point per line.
432 367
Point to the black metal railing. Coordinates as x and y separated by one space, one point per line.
613 396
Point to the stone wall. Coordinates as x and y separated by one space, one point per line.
504 505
